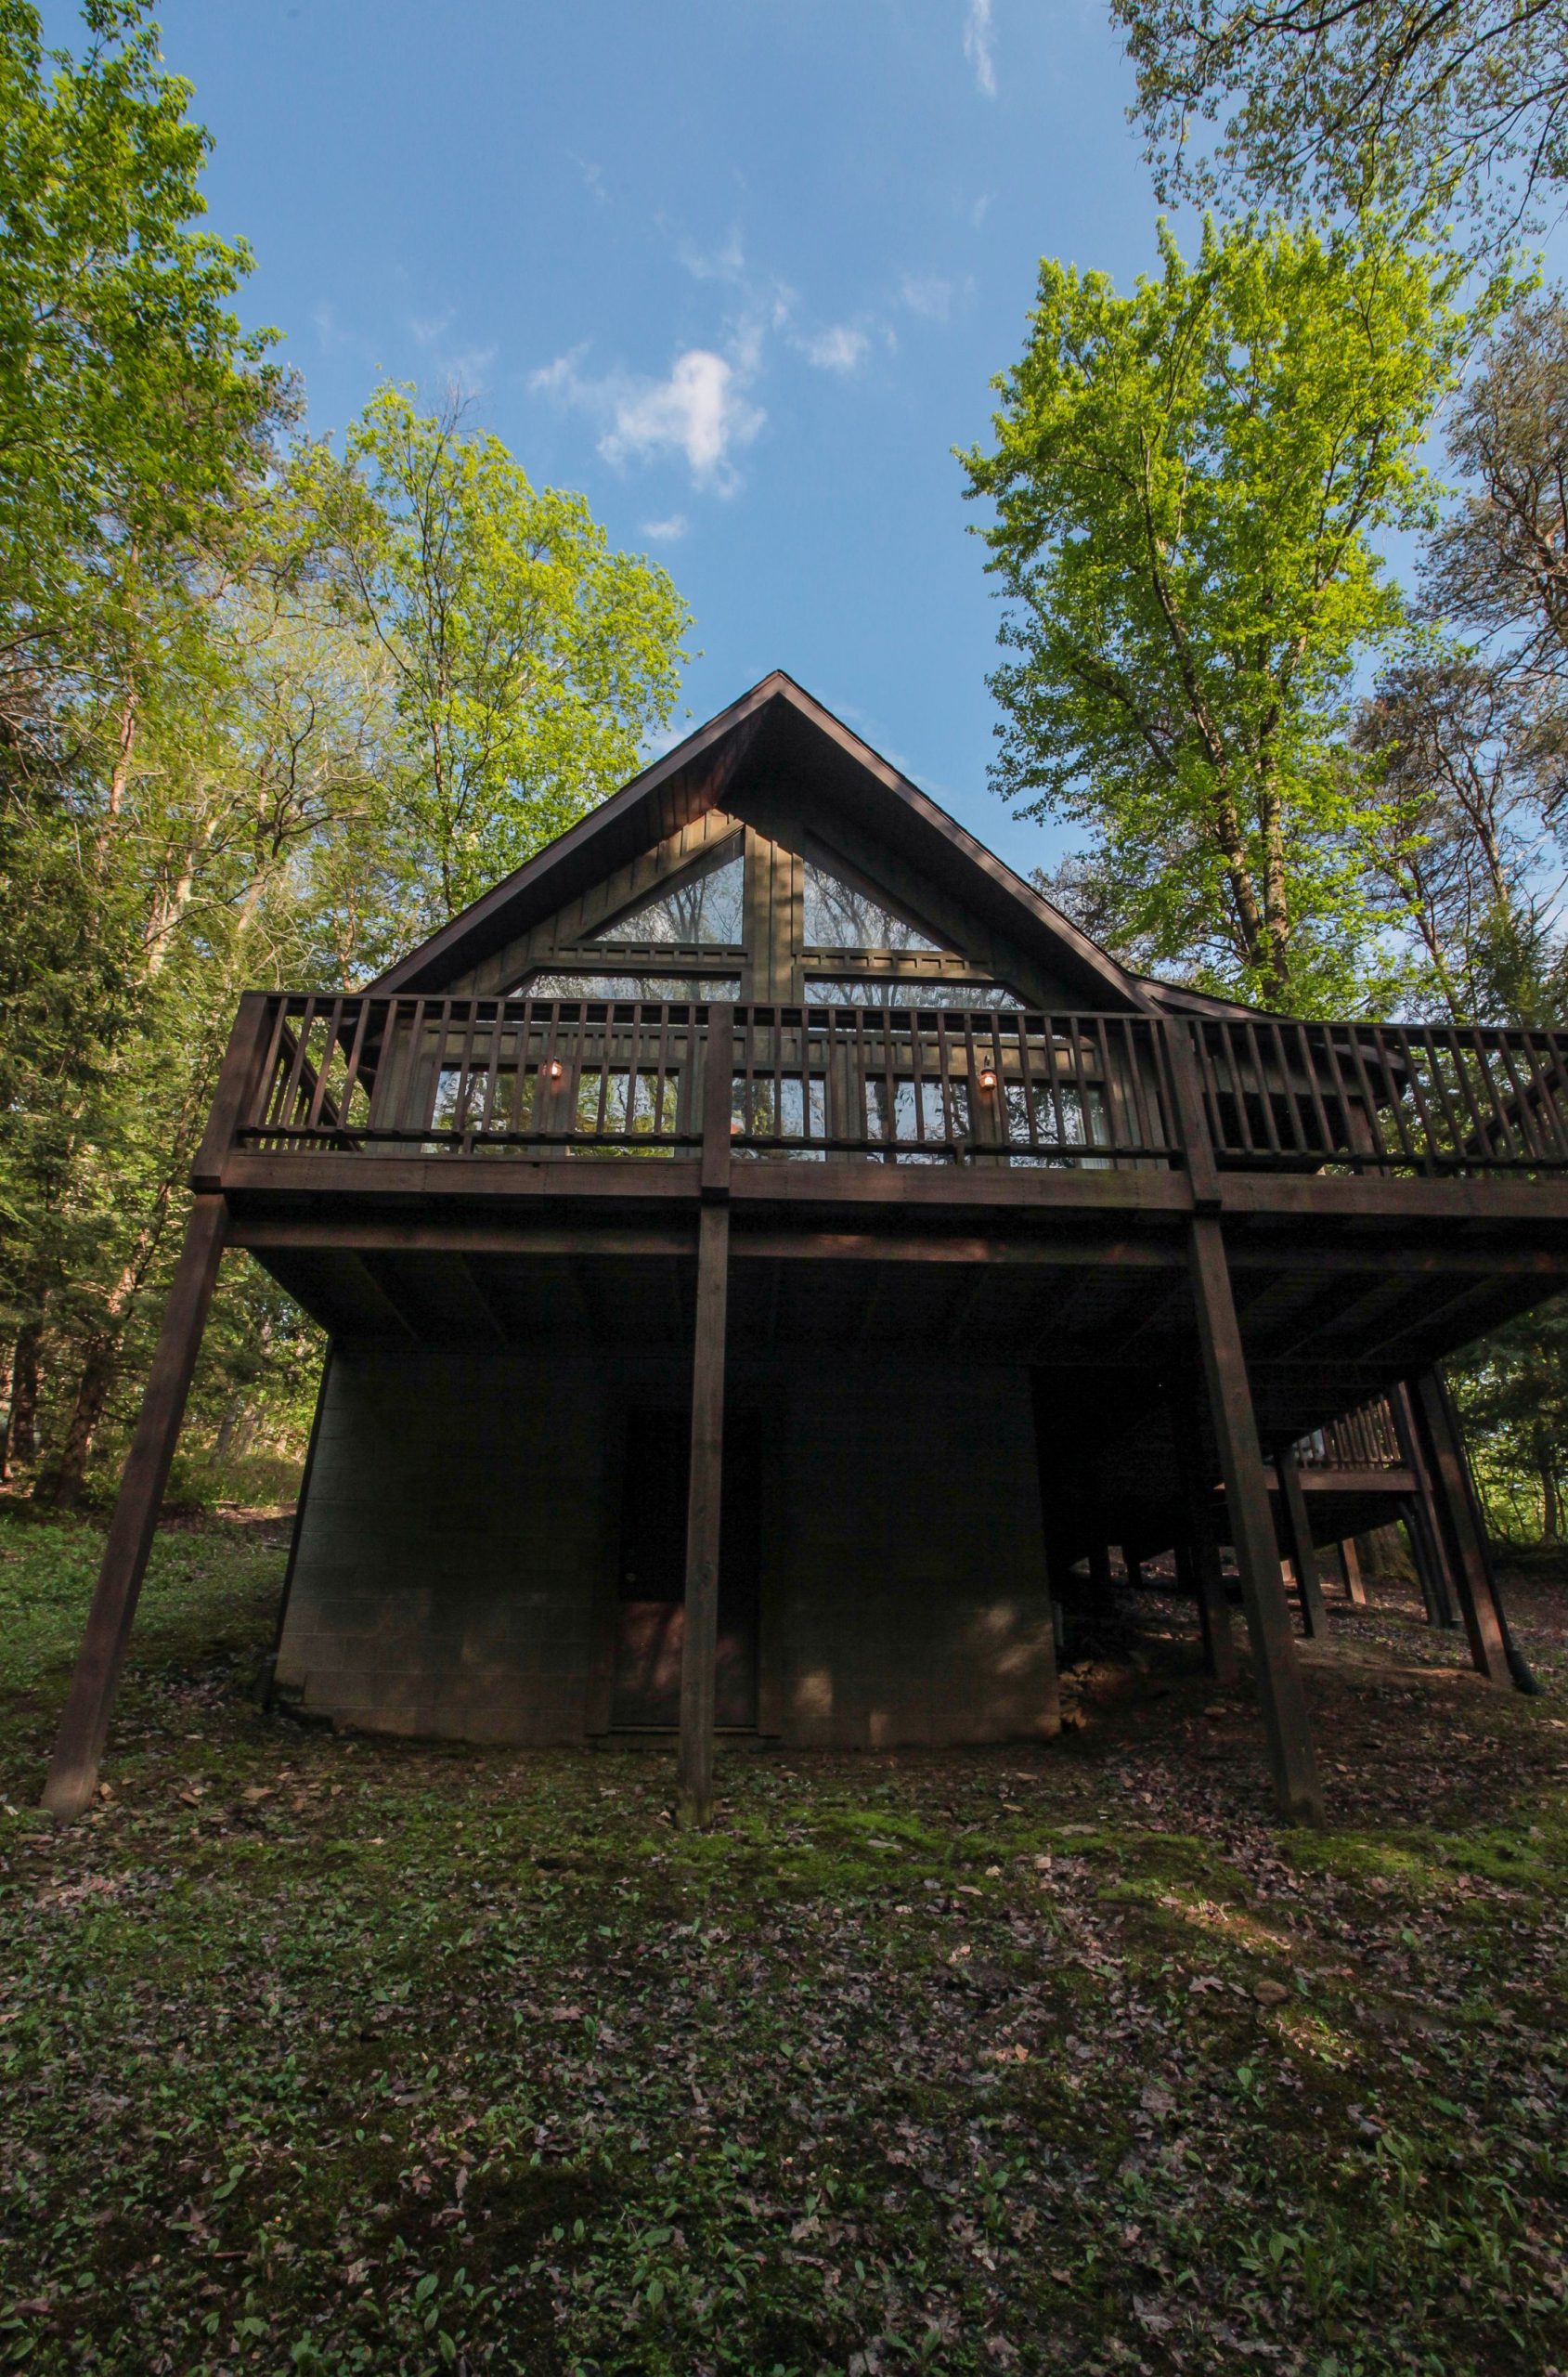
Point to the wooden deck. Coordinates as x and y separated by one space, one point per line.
1204 1238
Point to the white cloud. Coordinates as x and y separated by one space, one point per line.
700 411
841 348
426 332
665 532
928 296
727 263
976 46
593 179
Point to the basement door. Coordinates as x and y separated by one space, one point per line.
650 1616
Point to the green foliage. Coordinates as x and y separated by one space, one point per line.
1187 486
132 406
1511 1394
264 718
528 663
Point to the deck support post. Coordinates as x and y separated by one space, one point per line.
1297 1538
1291 1756
1350 1563
1099 1565
73 1770
1422 1557
706 1484
1464 1536
1432 1569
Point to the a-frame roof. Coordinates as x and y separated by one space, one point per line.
775 739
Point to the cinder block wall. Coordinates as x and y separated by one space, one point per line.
461 1522
911 1559
451 1543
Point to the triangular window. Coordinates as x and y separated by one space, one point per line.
700 908
838 915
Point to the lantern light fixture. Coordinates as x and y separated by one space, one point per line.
553 1071
988 1076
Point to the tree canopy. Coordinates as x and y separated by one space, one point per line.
1346 103
268 711
1187 484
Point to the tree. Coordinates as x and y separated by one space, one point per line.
132 407
1187 483
1466 741
528 662
1512 1396
1459 807
1499 565
1348 102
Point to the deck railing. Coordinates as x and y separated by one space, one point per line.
479 1076
580 1077
1365 1439
1422 1098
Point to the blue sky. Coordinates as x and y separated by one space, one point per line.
741 270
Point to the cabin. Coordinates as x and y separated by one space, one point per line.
770 1255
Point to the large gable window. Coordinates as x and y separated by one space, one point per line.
707 909
633 986
888 990
841 916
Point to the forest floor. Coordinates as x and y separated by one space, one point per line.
324 2053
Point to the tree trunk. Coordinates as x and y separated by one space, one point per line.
102 1361
21 1434
64 1488
1551 1515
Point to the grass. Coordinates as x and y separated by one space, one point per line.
330 2055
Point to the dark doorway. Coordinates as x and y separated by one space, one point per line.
652 1575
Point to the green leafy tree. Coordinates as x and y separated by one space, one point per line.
1350 101
528 662
133 407
1512 1396
1187 485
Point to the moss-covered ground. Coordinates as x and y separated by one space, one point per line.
327 2054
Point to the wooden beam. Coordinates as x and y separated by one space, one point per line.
1378 1197
705 1486
363 1233
1350 1563
1251 1525
1468 1567
1298 1543
73 1771
1426 1540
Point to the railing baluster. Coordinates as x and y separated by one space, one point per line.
1521 1103
1374 1112
351 1066
1417 1096
1495 1101
290 1105
1081 1081
1265 1098
1309 1066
